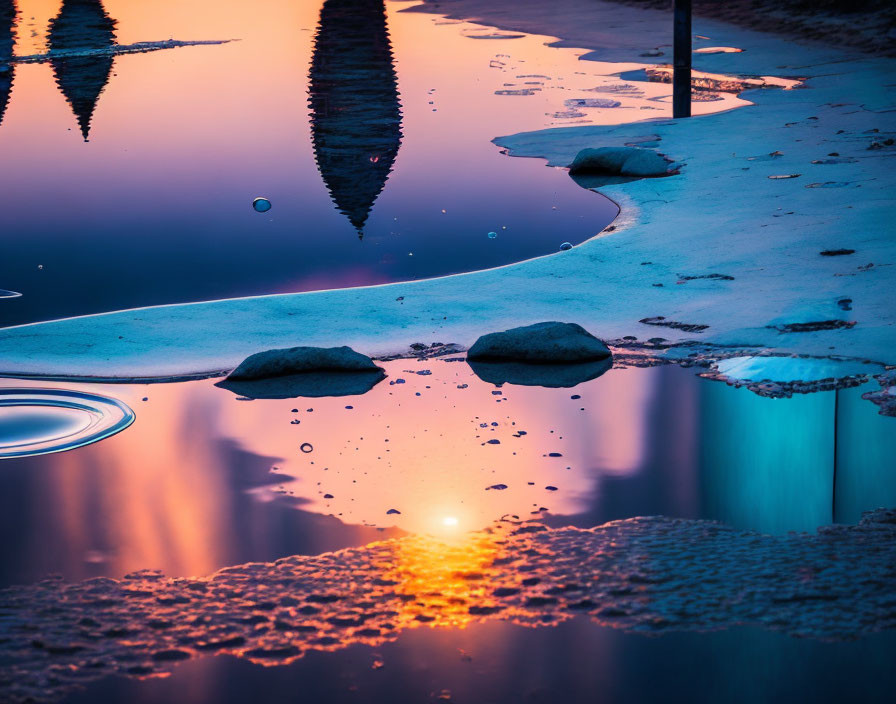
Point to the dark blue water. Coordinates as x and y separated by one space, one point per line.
574 662
377 170
705 450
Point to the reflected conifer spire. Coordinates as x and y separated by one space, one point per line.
7 39
81 25
355 113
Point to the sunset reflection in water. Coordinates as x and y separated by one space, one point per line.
204 479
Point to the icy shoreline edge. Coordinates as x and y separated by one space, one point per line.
723 215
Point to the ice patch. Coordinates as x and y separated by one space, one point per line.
787 369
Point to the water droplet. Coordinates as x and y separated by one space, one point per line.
565 246
261 205
306 447
492 235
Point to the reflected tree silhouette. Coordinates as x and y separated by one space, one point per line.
355 109
7 39
81 25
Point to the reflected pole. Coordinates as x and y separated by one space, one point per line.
681 61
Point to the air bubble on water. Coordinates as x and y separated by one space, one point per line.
492 235
565 246
306 447
261 205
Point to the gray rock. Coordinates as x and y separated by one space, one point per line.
295 360
542 343
620 161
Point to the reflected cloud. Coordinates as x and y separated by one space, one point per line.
355 111
81 25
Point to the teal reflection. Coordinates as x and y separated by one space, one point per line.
775 465
766 464
866 457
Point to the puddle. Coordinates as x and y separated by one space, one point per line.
422 531
206 479
181 143
504 663
41 421
647 575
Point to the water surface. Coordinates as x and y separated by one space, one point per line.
131 177
205 478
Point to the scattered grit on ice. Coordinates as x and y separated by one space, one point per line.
721 245
646 575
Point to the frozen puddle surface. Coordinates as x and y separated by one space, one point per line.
40 421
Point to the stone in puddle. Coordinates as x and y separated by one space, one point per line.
620 161
294 360
553 376
304 371
556 355
541 343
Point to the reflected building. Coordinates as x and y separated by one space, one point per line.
7 40
81 28
355 111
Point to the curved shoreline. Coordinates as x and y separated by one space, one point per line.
697 226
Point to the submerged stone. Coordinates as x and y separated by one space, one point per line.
307 384
620 161
553 376
541 343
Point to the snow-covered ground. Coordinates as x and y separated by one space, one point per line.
724 244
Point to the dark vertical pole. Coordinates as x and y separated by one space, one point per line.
681 75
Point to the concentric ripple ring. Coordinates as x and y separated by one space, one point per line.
41 421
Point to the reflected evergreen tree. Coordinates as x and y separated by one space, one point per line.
7 39
81 25
355 112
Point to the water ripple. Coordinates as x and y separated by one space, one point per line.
40 421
